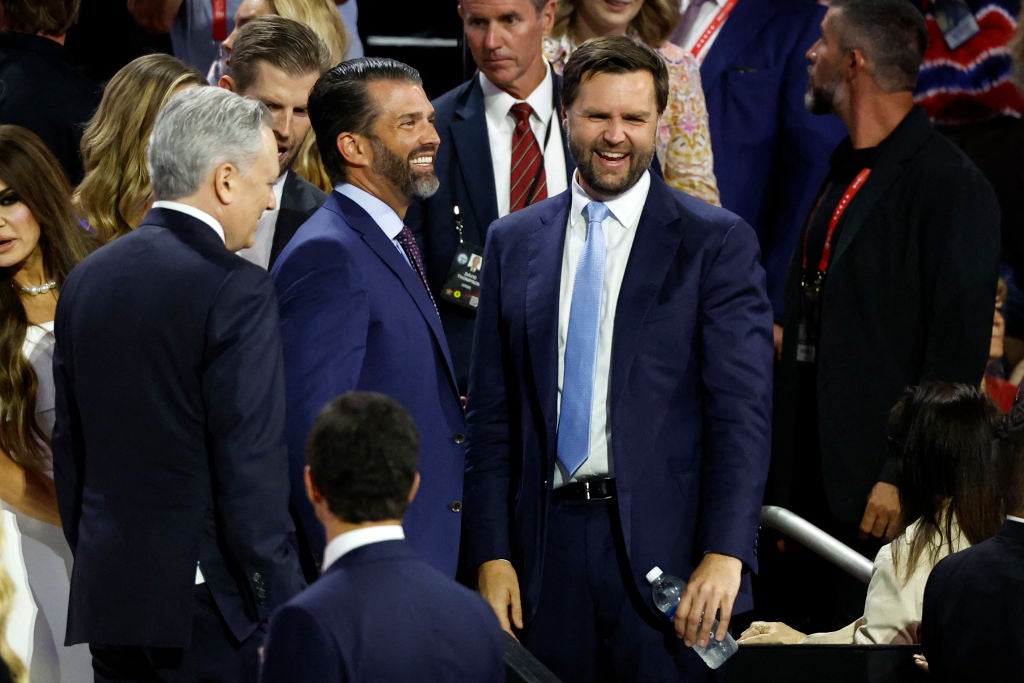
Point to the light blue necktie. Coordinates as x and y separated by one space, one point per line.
581 345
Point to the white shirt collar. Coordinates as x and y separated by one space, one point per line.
626 208
194 212
497 102
382 214
1013 518
345 543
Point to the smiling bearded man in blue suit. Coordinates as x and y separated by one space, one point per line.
355 310
619 397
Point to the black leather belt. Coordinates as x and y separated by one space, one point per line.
586 489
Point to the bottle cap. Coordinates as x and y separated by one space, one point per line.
653 575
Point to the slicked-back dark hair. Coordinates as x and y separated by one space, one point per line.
890 33
285 44
340 102
613 55
362 452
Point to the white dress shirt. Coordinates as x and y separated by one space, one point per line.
619 230
500 126
382 214
259 252
345 543
194 212
706 15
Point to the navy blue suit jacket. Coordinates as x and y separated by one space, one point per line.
381 614
169 440
354 316
464 166
689 399
971 626
771 154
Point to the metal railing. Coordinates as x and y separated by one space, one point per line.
817 541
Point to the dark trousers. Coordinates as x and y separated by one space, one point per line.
591 623
212 655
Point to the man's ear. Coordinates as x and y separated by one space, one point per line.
354 149
225 177
853 63
414 488
227 82
312 492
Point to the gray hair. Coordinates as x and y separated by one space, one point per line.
196 131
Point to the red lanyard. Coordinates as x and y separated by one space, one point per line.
712 28
851 192
220 19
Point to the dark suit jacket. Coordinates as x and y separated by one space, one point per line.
908 298
689 399
169 440
463 164
770 153
299 199
354 316
42 91
381 614
971 627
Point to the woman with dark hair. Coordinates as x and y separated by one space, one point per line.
684 142
41 240
942 434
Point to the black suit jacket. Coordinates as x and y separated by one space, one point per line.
169 442
464 167
971 627
42 91
299 199
909 297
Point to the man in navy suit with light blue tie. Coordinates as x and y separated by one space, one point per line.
619 397
379 613
355 309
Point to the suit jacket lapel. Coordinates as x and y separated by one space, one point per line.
295 209
902 143
654 249
472 157
547 241
386 250
742 26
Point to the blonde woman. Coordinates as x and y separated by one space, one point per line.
684 142
115 193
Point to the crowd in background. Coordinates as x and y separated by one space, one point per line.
831 318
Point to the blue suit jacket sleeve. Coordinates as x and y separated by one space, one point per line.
324 322
486 523
242 386
66 442
736 372
299 650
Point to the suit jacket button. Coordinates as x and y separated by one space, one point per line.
455 506
459 438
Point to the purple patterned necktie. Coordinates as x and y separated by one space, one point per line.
412 252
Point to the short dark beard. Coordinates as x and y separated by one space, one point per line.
820 100
410 182
583 158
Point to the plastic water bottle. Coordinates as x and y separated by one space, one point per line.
666 590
